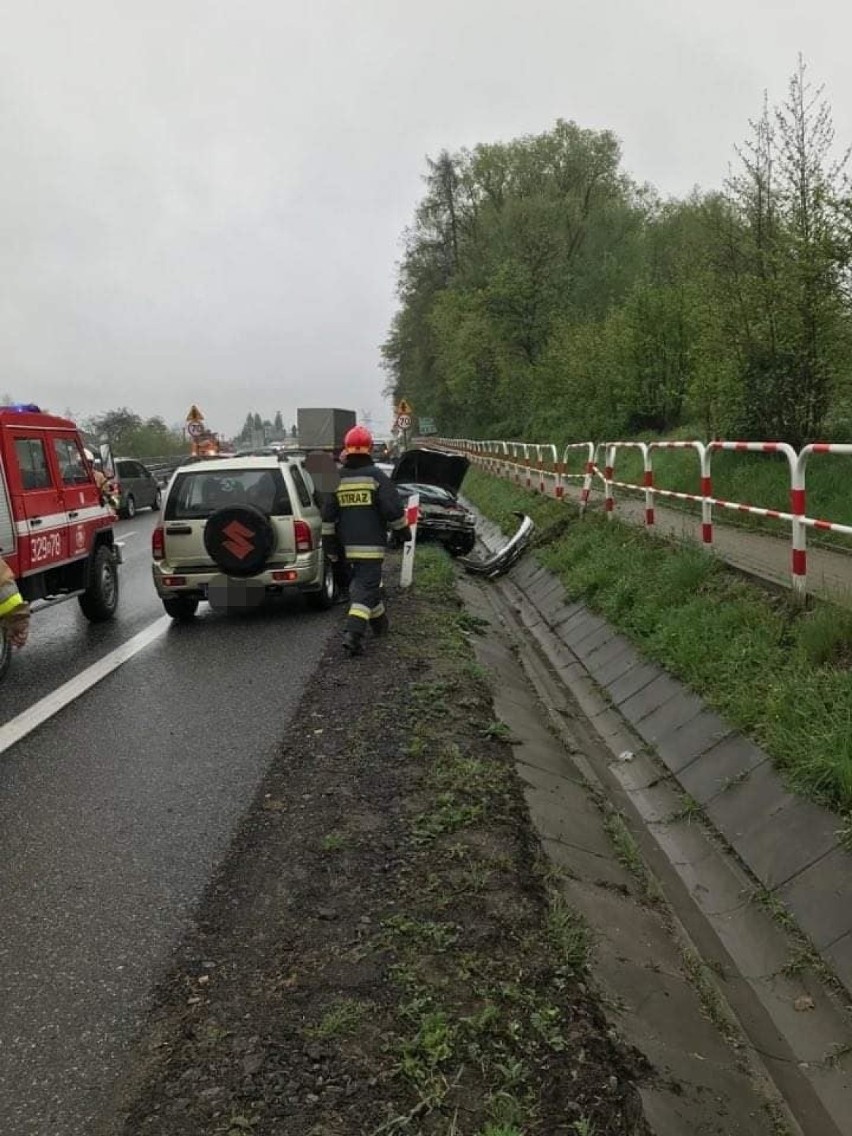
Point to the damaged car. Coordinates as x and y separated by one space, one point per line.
437 477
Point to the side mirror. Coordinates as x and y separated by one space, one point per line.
107 460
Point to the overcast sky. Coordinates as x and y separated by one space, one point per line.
202 201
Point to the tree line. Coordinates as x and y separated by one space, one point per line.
544 293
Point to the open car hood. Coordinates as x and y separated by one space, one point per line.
431 467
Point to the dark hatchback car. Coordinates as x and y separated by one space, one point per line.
135 487
437 476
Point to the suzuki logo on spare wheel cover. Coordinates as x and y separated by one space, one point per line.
239 539
238 542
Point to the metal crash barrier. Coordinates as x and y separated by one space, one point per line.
538 467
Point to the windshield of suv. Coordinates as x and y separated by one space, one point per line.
201 492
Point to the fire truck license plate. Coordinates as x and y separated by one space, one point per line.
48 546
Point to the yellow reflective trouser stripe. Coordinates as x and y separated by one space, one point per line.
328 528
365 551
9 605
378 610
400 524
360 611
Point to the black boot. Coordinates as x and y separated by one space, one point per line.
381 624
353 644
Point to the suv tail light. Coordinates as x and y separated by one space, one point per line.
158 543
304 536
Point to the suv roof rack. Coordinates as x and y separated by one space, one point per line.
263 452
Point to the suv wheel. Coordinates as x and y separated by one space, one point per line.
325 597
100 599
181 608
130 507
5 651
158 500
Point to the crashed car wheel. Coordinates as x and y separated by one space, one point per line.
460 545
239 540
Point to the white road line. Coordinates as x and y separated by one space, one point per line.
51 704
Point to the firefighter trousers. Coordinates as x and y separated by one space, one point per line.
366 595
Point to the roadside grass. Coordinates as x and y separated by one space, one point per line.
781 674
487 1025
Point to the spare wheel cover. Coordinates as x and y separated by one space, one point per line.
239 539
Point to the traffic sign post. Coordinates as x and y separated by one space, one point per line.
404 413
195 429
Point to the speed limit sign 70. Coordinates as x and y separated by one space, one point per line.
404 421
195 429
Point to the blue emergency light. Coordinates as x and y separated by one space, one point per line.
23 408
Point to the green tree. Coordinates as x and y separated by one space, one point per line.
785 260
117 426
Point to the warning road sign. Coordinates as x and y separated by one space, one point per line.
194 414
404 407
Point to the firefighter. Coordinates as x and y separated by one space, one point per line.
14 612
97 470
355 522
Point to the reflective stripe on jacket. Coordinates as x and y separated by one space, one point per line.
10 598
364 506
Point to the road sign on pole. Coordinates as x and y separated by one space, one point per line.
194 414
404 421
195 429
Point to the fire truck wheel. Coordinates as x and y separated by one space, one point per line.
181 608
100 599
5 651
239 540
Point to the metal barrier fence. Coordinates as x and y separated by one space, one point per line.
526 462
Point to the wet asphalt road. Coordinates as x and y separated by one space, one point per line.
113 815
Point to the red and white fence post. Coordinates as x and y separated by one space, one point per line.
587 474
704 497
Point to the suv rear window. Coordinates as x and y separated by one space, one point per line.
200 493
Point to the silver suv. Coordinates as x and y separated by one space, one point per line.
236 530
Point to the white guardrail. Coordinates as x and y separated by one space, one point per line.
542 467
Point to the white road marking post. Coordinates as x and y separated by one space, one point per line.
412 512
37 714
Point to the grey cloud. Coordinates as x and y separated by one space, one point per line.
202 201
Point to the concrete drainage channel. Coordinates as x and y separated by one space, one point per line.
700 964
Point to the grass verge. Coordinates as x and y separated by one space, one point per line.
780 674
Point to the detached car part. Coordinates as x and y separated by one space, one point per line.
501 561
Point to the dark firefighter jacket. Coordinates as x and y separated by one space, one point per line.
361 510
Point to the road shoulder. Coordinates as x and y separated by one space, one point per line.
384 949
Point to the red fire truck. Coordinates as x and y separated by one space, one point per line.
56 530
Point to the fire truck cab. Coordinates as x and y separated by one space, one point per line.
56 532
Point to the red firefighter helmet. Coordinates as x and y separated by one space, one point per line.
358 440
